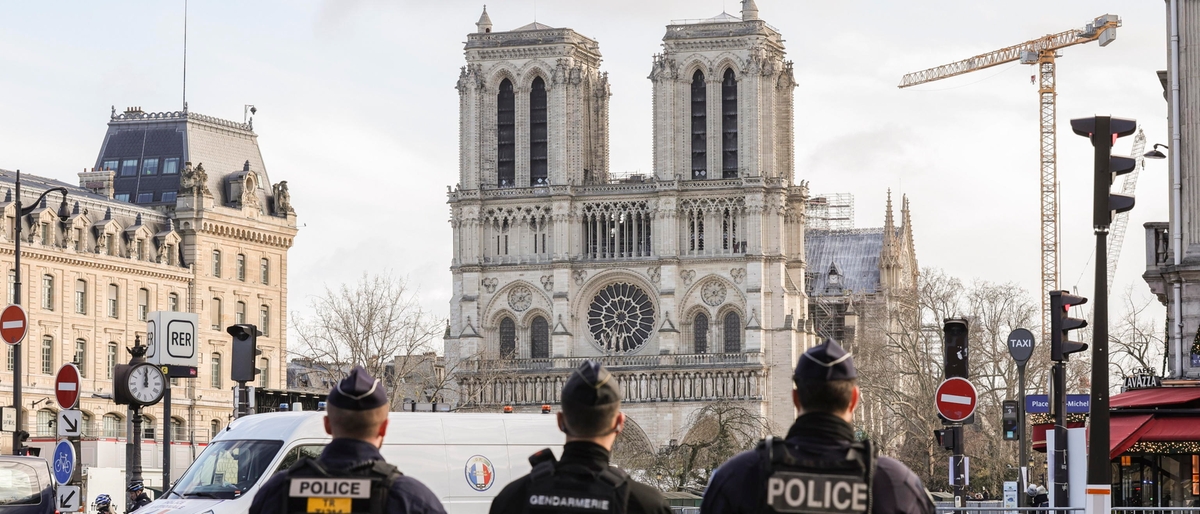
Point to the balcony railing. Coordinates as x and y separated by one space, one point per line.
1158 244
618 362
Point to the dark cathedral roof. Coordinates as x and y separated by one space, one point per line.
853 255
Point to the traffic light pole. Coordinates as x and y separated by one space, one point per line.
1058 400
1099 473
958 461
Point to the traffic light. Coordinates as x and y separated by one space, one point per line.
1104 131
954 332
946 437
1061 324
1009 423
22 436
245 349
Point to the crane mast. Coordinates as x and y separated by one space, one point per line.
1040 52
1121 220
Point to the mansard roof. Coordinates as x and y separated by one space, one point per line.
855 254
92 205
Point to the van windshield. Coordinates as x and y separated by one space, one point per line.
19 484
227 469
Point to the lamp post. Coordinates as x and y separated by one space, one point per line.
63 214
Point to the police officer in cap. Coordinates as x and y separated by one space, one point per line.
356 415
819 467
583 480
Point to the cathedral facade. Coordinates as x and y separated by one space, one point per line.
688 283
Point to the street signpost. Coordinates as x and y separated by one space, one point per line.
956 399
70 423
66 386
69 498
63 463
13 324
1020 347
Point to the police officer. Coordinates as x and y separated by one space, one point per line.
583 480
350 475
137 496
819 467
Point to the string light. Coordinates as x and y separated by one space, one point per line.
1165 447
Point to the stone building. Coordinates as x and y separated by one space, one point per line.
178 214
688 282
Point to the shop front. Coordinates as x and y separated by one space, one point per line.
1155 446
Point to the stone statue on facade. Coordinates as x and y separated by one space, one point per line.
283 199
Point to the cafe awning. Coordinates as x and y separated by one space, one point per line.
1154 397
1124 432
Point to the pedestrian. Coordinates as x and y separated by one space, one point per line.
819 467
137 496
582 480
356 415
103 504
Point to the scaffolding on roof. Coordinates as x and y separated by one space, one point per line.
833 211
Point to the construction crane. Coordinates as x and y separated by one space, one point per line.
1040 52
1122 219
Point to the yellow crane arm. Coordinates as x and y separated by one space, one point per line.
1102 28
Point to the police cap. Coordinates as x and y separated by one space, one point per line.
358 391
590 385
824 362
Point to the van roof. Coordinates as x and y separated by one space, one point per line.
403 427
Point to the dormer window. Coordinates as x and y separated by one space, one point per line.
145 197
170 166
129 167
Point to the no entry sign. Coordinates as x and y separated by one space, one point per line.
66 386
956 399
13 324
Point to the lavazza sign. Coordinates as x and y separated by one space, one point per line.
1142 379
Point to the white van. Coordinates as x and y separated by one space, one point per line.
466 459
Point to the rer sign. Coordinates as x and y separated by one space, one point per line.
171 338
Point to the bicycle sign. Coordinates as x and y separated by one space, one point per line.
64 462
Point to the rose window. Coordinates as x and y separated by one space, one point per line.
621 318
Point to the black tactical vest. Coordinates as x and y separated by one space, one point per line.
558 487
812 486
360 489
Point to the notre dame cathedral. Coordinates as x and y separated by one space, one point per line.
689 283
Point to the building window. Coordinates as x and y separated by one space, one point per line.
506 135
214 428
81 297
145 197
239 313
48 292
169 196
539 338
12 286
170 166
265 271
45 423
110 165
148 428
264 320
122 197
216 263
112 360
264 373
508 338
114 426
173 302
700 333
177 431
81 356
46 239
241 267
733 332
537 133
616 230
149 166
699 127
129 167
12 357
143 304
216 371
729 134
79 240
216 313
47 355
114 302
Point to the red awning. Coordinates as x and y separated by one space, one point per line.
1154 397
1172 429
1124 431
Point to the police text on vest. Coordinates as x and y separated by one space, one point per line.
330 488
805 492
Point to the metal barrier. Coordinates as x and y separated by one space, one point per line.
1155 510
1001 509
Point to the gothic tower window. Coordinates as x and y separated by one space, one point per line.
539 338
733 332
506 135
616 230
700 333
508 338
699 127
537 133
729 136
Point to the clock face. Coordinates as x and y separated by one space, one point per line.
146 384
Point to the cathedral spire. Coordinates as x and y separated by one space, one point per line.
749 10
485 22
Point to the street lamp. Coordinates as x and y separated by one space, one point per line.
1154 153
63 214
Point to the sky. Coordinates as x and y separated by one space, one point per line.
357 111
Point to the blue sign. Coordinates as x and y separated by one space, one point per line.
1040 403
63 464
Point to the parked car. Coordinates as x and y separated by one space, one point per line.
26 486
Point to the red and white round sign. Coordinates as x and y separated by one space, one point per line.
956 399
13 324
66 386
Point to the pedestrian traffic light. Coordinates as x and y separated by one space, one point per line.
954 334
945 437
245 349
1103 131
1009 421
1061 323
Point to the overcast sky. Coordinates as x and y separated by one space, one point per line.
357 111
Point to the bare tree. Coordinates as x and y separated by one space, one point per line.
377 323
715 433
1135 342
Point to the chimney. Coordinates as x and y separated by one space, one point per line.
99 182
